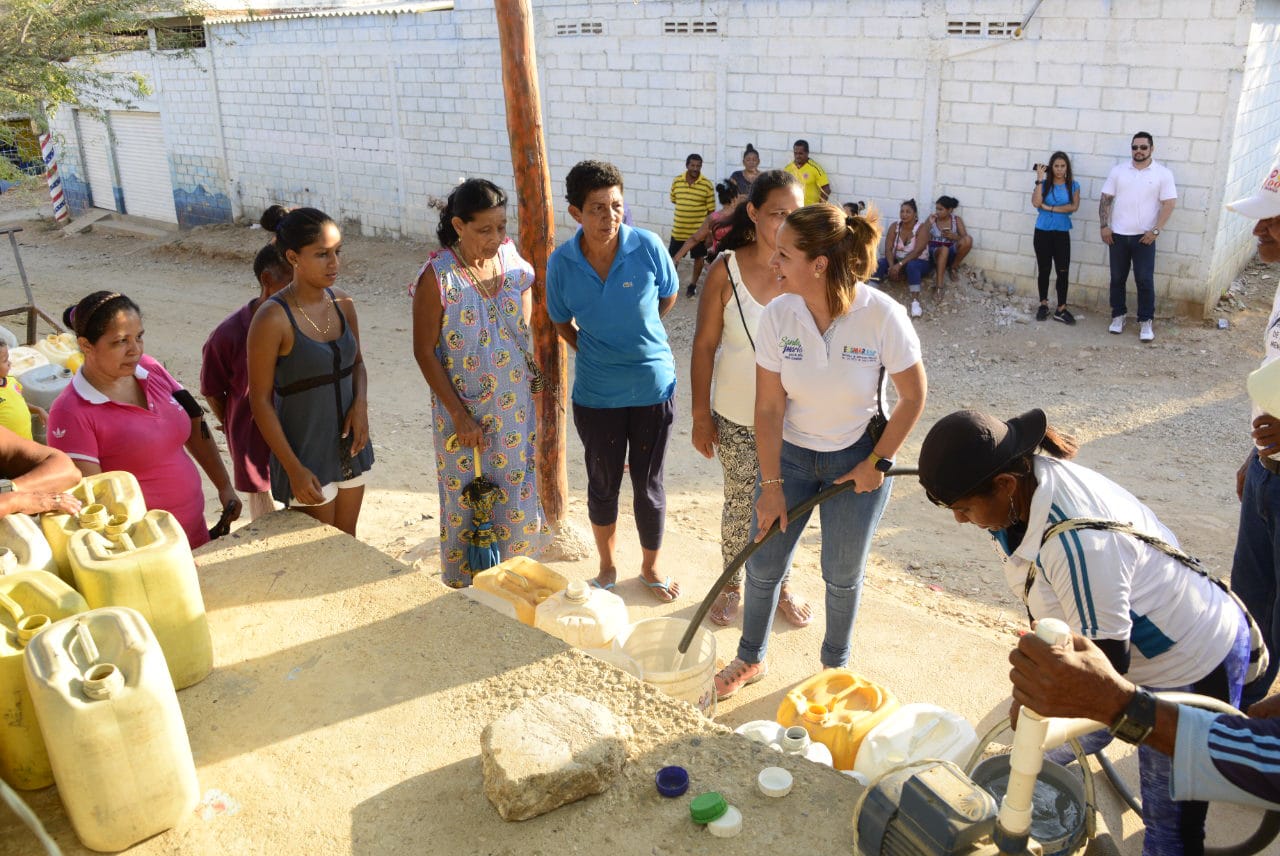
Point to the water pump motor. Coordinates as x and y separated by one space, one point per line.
930 811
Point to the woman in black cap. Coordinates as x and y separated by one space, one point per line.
1119 579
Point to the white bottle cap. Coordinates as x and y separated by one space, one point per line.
1053 630
577 592
774 782
726 825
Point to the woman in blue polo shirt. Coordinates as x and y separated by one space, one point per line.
607 290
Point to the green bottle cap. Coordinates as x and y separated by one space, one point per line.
707 807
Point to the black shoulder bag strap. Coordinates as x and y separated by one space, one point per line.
730 265
1259 657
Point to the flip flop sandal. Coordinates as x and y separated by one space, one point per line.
663 586
594 583
724 617
788 605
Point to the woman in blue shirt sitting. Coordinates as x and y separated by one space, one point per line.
1056 196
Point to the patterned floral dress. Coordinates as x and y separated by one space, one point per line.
485 362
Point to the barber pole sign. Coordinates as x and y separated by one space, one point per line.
60 212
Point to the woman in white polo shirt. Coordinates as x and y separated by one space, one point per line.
820 349
1161 623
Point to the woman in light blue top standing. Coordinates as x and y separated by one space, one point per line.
1056 196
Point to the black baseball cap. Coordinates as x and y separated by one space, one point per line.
965 449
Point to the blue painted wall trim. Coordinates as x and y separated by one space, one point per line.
118 192
199 207
75 191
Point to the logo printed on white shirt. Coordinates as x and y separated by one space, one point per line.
862 356
791 348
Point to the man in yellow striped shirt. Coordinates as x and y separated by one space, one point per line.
694 198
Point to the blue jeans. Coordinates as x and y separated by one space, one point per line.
915 269
1128 251
848 521
1255 570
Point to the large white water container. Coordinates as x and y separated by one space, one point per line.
24 540
915 732
652 646
111 721
8 336
42 385
583 616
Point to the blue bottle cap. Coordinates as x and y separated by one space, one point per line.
672 781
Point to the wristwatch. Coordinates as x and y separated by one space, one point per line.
1138 719
881 464
1155 232
6 486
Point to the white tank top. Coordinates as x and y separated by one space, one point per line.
734 380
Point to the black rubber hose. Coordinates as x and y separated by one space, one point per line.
741 559
1261 837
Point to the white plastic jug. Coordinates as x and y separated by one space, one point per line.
1264 389
42 385
583 616
23 359
915 732
8 336
789 741
110 718
22 538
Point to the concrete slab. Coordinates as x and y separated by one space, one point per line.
135 227
85 222
349 693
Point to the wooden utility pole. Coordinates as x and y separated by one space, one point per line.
537 239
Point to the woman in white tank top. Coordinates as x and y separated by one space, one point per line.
738 287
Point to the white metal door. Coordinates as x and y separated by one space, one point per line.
94 143
144 165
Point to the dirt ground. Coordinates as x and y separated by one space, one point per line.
1166 420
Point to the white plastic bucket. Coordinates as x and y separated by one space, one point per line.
652 646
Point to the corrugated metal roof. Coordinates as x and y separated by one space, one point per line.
241 17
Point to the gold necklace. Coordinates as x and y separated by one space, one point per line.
298 305
477 278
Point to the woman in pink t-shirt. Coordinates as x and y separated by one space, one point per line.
123 411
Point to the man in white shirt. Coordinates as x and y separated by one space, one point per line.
1255 570
1137 200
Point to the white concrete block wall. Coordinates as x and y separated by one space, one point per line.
369 116
368 131
1254 141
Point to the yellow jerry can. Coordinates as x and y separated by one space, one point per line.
23 540
516 587
29 602
113 493
837 708
148 566
110 717
58 348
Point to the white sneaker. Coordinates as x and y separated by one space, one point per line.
1117 324
916 311
1145 333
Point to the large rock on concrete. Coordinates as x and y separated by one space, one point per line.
551 751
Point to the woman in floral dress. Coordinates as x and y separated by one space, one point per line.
471 307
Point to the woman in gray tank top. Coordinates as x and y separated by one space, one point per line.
307 382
